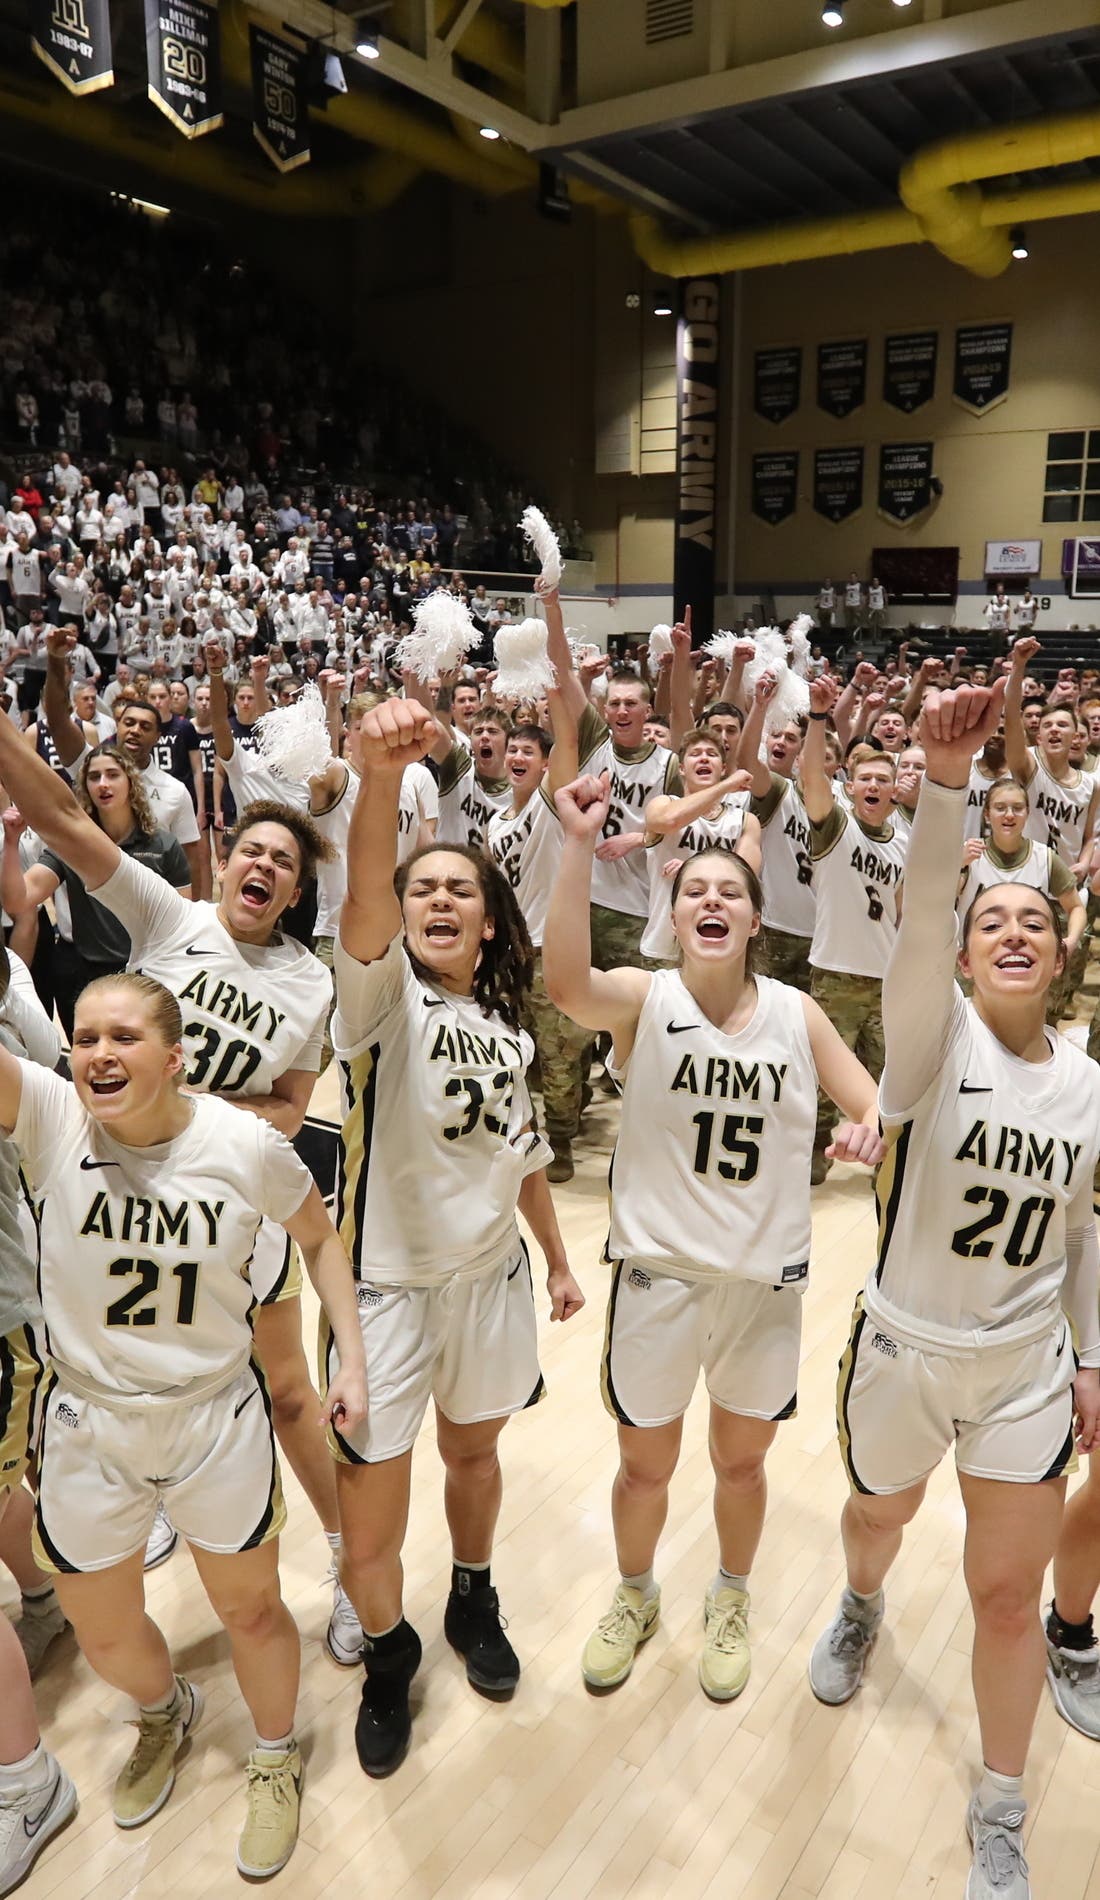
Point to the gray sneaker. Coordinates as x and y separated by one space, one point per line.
998 1870
1074 1678
841 1652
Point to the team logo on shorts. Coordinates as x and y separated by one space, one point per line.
368 1295
639 1279
65 1415
885 1345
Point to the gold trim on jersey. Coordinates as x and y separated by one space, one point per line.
844 1377
21 1371
607 1383
273 1516
360 1074
888 1189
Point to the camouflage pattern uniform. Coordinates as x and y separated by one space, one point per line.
562 1051
853 1005
786 958
617 940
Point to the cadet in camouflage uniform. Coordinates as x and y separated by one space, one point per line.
858 864
787 867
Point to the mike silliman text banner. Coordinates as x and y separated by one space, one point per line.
698 361
73 39
183 54
279 118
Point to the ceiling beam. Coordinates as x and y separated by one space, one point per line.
836 63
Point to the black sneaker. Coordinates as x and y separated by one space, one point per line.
383 1727
472 1625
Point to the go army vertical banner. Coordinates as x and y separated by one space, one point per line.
983 353
279 118
73 39
698 360
838 482
775 485
904 480
183 54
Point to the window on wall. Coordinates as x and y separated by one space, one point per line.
1071 490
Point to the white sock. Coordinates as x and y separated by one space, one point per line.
725 1580
165 1702
40 1598
332 1539
24 1776
872 1602
644 1583
461 1564
994 1787
278 1747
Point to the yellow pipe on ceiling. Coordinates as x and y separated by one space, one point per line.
1071 200
782 244
939 184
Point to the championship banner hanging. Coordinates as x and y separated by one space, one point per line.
698 357
775 485
777 383
841 376
838 482
279 118
909 370
183 54
983 352
73 38
904 480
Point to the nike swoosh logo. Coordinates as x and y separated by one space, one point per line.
679 1029
193 950
1061 1348
32 1822
238 1409
975 1088
88 1163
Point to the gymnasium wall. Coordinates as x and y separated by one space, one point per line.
523 327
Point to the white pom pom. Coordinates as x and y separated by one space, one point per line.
722 645
599 686
293 741
443 633
660 641
524 668
545 544
792 694
798 633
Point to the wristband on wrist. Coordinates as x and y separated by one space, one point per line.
814 715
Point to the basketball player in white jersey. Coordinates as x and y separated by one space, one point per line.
1065 801
148 1206
473 783
987 1258
255 1005
438 1152
712 813
778 806
859 859
987 768
1005 855
710 1216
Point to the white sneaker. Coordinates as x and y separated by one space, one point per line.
163 1539
42 1621
28 1821
344 1636
998 1870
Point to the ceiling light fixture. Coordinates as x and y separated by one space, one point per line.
366 45
832 13
1019 242
489 132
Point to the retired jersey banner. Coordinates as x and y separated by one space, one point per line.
279 118
777 383
775 485
183 54
698 359
838 482
983 353
841 376
909 369
904 479
73 38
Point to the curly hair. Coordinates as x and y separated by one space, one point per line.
313 847
139 799
506 967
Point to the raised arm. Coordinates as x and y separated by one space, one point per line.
918 992
216 660
664 814
21 891
680 682
733 686
813 774
67 736
594 999
258 672
49 807
396 734
1018 754
752 734
847 705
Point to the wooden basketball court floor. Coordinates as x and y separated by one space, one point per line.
651 1793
